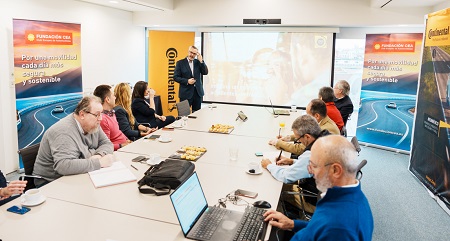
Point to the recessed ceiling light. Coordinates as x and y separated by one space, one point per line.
113 1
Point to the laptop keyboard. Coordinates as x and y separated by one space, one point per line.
252 226
209 223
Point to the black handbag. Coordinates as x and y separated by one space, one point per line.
162 178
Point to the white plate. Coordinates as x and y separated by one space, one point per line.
30 204
165 140
256 173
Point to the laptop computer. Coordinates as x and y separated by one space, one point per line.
279 111
197 219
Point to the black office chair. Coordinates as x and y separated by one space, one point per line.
183 108
28 155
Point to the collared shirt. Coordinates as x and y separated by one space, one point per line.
191 65
298 170
346 186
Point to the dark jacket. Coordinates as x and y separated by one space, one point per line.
183 73
345 106
124 124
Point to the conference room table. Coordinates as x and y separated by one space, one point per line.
217 146
57 220
76 209
216 180
260 120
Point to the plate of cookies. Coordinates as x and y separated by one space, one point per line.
190 153
221 128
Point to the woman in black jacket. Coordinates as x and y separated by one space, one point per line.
144 111
127 124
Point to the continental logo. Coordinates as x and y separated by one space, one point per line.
47 37
438 32
403 46
171 55
431 181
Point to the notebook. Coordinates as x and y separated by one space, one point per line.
279 111
115 174
191 208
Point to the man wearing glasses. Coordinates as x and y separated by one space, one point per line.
306 130
75 144
188 73
344 212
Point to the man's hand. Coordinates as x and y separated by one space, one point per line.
107 160
278 220
191 81
285 161
14 187
126 143
200 57
273 142
265 162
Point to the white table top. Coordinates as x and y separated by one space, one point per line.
217 146
59 220
260 122
217 181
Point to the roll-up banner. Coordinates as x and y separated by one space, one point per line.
47 75
429 160
388 90
165 48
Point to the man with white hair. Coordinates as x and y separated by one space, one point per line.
343 213
75 144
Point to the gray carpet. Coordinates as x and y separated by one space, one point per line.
401 206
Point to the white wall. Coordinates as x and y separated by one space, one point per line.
355 13
112 51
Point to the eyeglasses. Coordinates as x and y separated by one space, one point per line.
193 53
315 166
96 115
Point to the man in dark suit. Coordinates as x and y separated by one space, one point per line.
188 73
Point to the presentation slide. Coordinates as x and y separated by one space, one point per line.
255 67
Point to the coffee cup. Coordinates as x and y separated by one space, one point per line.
293 108
164 137
154 158
254 167
32 195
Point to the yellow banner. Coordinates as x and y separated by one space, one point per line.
164 50
438 28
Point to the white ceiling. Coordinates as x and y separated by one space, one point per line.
167 5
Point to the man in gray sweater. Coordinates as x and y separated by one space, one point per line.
75 144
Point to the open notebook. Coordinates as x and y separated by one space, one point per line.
115 174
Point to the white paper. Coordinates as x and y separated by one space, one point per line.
115 174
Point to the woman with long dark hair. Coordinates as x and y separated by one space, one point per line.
144 111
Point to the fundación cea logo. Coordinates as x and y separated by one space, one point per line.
31 37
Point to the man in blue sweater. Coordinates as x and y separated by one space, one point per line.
343 213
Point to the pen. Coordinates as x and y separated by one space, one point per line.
279 156
134 167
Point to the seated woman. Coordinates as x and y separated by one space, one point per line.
124 116
144 111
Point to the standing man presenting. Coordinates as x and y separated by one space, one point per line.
188 73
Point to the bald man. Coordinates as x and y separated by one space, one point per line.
343 213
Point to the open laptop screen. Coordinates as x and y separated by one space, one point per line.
189 202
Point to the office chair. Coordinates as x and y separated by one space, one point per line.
28 155
183 108
359 173
307 194
355 143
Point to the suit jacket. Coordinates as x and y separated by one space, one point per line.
345 106
183 73
124 124
142 112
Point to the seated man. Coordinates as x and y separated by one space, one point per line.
75 144
306 130
109 122
342 101
318 110
343 213
326 94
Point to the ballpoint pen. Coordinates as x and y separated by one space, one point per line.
279 156
134 167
